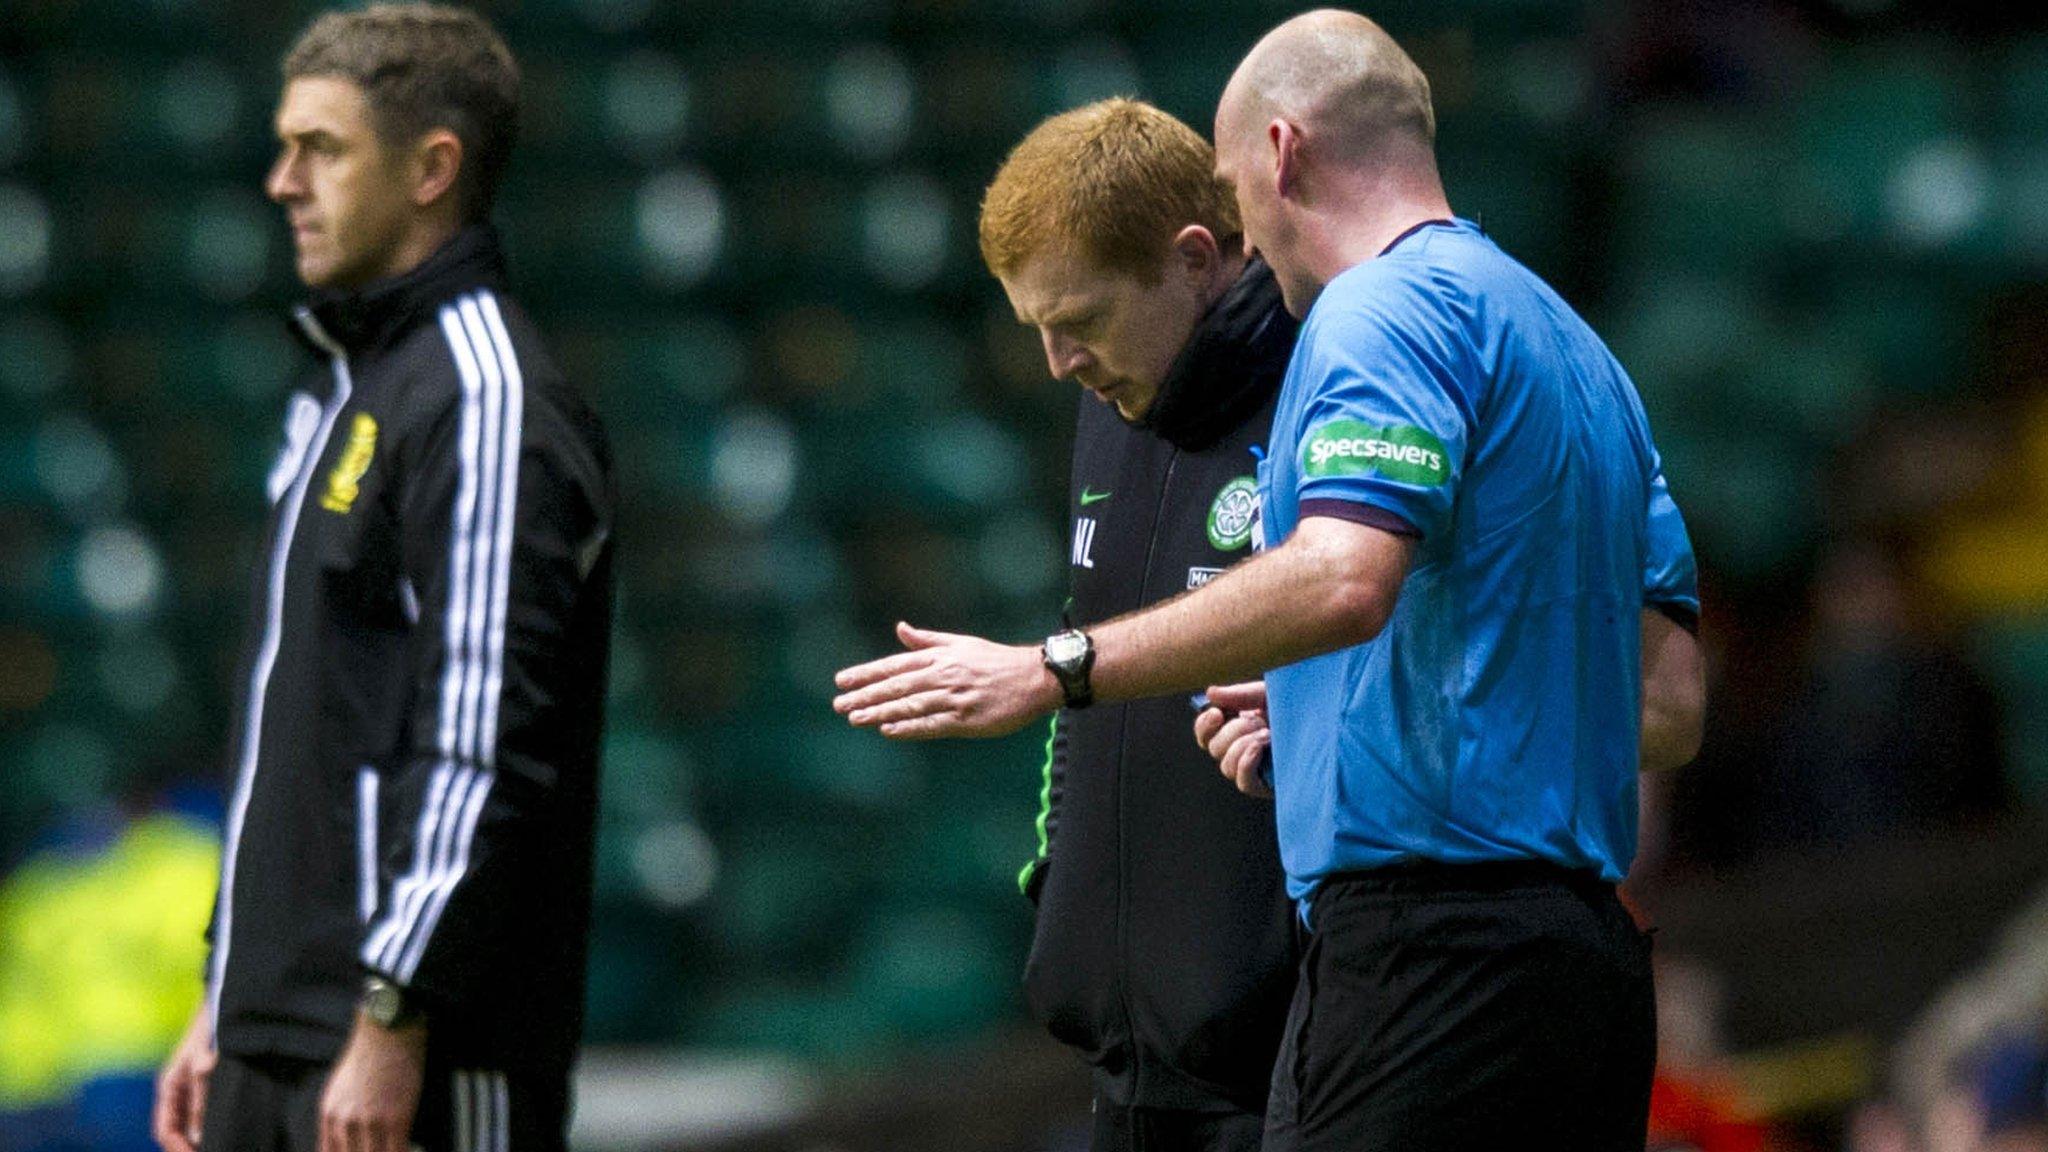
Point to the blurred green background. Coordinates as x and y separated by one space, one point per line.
1816 233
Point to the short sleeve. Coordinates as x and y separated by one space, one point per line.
1670 574
1385 423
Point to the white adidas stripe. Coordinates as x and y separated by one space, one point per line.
450 876
482 1107
366 844
381 944
460 668
460 671
464 1107
508 496
480 1100
493 351
501 1114
485 540
499 465
406 893
461 529
473 679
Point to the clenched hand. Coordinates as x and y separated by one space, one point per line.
1233 730
374 1091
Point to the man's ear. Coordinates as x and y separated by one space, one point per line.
436 162
1196 252
1285 140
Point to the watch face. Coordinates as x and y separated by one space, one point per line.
1066 649
382 1002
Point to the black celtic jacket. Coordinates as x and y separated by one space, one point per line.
415 752
1165 947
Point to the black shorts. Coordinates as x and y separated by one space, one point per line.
267 1104
1452 1008
1119 1129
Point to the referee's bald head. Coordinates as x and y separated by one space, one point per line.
1326 135
1350 89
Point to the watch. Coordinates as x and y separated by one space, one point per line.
387 1005
1070 656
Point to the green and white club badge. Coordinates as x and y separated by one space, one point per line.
1232 514
1400 452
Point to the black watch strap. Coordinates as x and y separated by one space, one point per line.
1070 657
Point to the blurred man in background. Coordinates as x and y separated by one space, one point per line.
1476 615
399 934
1165 944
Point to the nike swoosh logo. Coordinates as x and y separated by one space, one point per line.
1088 497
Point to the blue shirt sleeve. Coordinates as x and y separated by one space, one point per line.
1670 575
1385 423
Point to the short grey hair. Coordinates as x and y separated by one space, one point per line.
421 67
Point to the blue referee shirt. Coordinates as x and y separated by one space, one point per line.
1445 392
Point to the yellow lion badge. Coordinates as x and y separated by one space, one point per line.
346 480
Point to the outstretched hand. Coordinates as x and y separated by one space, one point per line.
947 685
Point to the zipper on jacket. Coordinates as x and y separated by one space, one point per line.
1139 1074
266 654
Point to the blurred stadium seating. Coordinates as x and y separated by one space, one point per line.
748 228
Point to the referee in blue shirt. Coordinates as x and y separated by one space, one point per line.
1474 623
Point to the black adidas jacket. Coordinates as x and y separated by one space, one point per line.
1165 947
415 754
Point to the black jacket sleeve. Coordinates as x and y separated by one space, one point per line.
505 507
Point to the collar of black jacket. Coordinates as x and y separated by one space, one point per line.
377 313
1230 367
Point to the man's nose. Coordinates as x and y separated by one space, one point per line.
283 182
1064 357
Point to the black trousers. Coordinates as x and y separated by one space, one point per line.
1119 1129
1458 1008
270 1104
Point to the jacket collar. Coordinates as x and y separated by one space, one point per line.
1230 366
375 315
